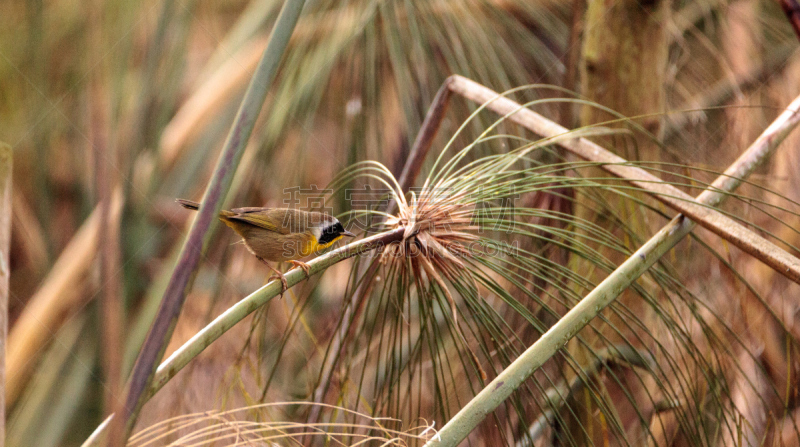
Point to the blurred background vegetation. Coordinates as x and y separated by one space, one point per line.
129 102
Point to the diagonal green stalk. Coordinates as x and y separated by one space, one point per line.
247 305
702 213
175 294
459 427
558 395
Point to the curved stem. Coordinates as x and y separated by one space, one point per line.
236 313
460 426
697 209
250 303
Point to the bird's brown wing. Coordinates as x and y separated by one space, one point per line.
251 209
268 219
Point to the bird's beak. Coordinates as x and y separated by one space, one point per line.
347 233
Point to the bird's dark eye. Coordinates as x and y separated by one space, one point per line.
331 232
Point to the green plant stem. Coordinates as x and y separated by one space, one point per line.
236 313
6 160
416 157
459 427
702 213
233 149
249 304
560 394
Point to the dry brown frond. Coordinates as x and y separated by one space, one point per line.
436 224
238 426
436 236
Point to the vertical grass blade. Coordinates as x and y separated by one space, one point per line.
6 159
233 149
246 306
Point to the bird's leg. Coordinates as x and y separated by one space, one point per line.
277 275
302 265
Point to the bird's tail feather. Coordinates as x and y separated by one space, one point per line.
188 204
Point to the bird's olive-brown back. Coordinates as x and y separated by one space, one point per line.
275 234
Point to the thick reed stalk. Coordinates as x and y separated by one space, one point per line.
236 313
701 212
6 159
232 151
58 298
106 164
459 427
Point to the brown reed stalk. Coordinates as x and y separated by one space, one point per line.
700 212
110 286
6 161
486 401
156 343
60 295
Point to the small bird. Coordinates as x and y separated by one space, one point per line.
280 234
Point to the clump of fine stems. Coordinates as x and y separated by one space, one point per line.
453 282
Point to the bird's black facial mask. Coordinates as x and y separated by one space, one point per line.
330 233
